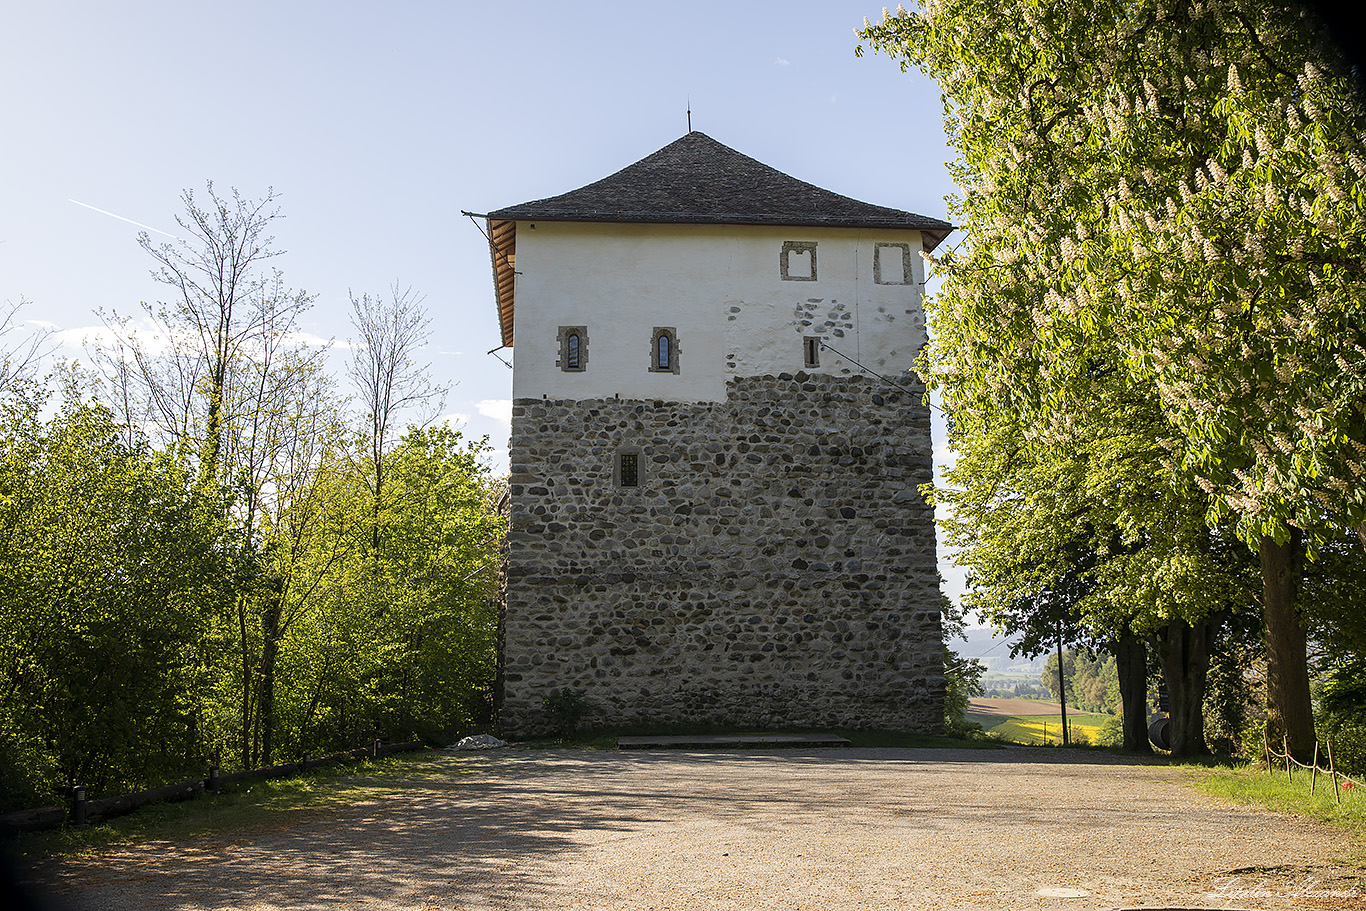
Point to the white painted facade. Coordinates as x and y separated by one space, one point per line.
722 290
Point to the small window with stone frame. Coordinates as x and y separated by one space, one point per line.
811 351
892 264
797 263
664 350
573 342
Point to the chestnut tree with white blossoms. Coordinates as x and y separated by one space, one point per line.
1173 191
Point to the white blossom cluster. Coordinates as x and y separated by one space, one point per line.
1175 189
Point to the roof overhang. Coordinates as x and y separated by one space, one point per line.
502 234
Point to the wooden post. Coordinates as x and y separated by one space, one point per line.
1333 772
374 750
1266 751
1314 773
215 776
1285 744
78 805
1045 733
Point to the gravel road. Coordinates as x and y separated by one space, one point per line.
817 829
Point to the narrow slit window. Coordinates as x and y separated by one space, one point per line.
662 355
813 352
630 469
572 351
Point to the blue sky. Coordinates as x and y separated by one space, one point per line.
378 123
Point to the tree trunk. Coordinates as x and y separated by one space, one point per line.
1361 533
1289 710
270 647
246 681
1131 664
1185 661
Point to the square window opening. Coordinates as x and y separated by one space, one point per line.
892 264
798 261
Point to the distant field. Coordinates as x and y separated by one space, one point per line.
1032 721
1007 708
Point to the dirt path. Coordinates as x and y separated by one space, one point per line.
875 829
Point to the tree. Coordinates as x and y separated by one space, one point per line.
224 380
1173 188
389 380
402 638
187 375
1090 543
962 676
19 361
108 571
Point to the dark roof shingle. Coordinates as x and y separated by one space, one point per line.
697 180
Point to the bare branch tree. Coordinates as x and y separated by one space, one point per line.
388 378
21 361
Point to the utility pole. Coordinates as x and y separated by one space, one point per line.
1062 688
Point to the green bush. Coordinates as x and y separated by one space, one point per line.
1347 733
567 709
1111 733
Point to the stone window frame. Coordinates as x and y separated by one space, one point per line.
563 340
907 275
671 334
620 463
797 246
811 351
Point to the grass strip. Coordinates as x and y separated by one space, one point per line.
1254 786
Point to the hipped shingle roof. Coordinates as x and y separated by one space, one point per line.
694 180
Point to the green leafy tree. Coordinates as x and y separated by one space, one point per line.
1173 189
108 570
401 639
962 676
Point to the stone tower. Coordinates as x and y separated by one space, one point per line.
717 439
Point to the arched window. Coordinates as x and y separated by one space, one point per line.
664 350
573 342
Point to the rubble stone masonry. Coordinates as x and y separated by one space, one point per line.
774 567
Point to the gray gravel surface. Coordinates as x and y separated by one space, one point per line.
816 829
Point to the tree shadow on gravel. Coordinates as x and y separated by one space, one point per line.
486 831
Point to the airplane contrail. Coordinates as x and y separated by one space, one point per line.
121 218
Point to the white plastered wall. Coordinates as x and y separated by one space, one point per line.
720 288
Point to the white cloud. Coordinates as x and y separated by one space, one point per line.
497 409
455 420
301 338
101 336
42 324
783 62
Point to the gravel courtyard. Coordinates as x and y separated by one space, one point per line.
785 829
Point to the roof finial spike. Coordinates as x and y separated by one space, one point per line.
689 113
